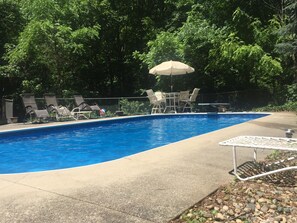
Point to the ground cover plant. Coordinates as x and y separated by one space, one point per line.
289 106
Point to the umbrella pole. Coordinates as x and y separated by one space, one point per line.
171 86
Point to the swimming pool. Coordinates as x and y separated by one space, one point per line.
68 146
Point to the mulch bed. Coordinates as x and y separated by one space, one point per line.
268 199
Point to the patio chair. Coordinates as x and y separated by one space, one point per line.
183 98
83 109
60 112
157 100
161 96
150 92
31 108
188 102
157 104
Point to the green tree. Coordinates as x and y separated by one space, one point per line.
166 46
287 46
52 50
107 46
137 23
11 23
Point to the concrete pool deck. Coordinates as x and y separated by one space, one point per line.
152 186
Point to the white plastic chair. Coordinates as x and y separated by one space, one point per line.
188 102
183 98
157 99
161 96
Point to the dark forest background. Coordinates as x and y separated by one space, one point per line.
104 48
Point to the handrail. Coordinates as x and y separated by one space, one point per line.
105 98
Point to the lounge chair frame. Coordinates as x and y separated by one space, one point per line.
61 112
83 109
261 142
31 108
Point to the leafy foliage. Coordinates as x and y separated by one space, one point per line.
11 22
291 95
287 45
49 48
132 107
289 106
107 46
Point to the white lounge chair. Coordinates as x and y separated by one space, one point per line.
261 142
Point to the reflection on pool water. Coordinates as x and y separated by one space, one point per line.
89 143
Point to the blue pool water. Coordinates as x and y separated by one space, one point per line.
90 143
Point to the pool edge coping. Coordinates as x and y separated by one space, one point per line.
21 127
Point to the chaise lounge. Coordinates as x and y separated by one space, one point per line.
263 143
31 108
83 109
61 112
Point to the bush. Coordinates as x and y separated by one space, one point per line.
291 95
132 107
289 106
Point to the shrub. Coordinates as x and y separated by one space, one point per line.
132 107
289 106
291 95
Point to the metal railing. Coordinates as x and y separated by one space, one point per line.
110 104
238 100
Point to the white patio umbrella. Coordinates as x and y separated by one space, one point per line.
171 68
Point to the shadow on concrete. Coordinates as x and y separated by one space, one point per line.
274 125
